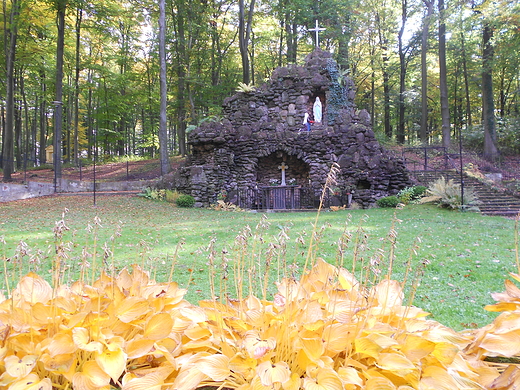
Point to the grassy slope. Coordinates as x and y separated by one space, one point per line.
469 255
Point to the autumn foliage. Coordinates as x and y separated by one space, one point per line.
324 331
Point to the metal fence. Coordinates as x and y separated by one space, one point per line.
285 198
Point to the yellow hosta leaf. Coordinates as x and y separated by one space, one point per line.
215 366
32 288
18 368
509 379
383 341
197 332
131 309
81 339
32 382
43 314
365 346
389 293
158 327
325 379
151 381
256 384
350 376
61 343
59 364
506 322
512 290
189 379
436 378
112 362
169 348
396 363
445 352
137 348
338 337
311 313
242 365
270 373
92 377
501 306
380 383
505 344
313 347
294 382
415 347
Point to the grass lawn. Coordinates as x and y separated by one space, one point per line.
468 256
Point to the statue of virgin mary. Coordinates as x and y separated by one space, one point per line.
317 110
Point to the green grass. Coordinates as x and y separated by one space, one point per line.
469 256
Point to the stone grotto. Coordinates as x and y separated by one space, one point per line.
260 155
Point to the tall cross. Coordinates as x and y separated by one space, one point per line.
283 167
316 30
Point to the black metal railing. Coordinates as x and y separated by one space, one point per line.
285 198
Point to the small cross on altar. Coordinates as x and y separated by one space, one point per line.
316 30
283 167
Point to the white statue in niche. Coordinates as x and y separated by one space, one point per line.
317 110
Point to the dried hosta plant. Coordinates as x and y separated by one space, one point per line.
325 332
89 337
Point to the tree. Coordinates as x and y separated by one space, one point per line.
245 22
163 134
488 103
443 81
424 70
8 139
58 110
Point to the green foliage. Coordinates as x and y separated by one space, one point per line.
388 201
411 194
153 193
447 193
185 201
337 98
508 137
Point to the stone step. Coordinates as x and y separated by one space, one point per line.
492 202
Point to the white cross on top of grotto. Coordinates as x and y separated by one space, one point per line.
316 30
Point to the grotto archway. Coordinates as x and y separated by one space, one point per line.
269 170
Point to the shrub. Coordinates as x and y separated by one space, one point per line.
419 191
410 194
388 201
171 196
186 201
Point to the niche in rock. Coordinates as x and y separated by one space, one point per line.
363 185
269 171
310 105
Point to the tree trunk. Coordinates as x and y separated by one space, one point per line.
181 75
244 34
488 104
400 133
383 44
43 117
8 136
79 18
466 81
58 113
424 71
163 131
443 83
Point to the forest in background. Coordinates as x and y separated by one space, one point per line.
123 78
